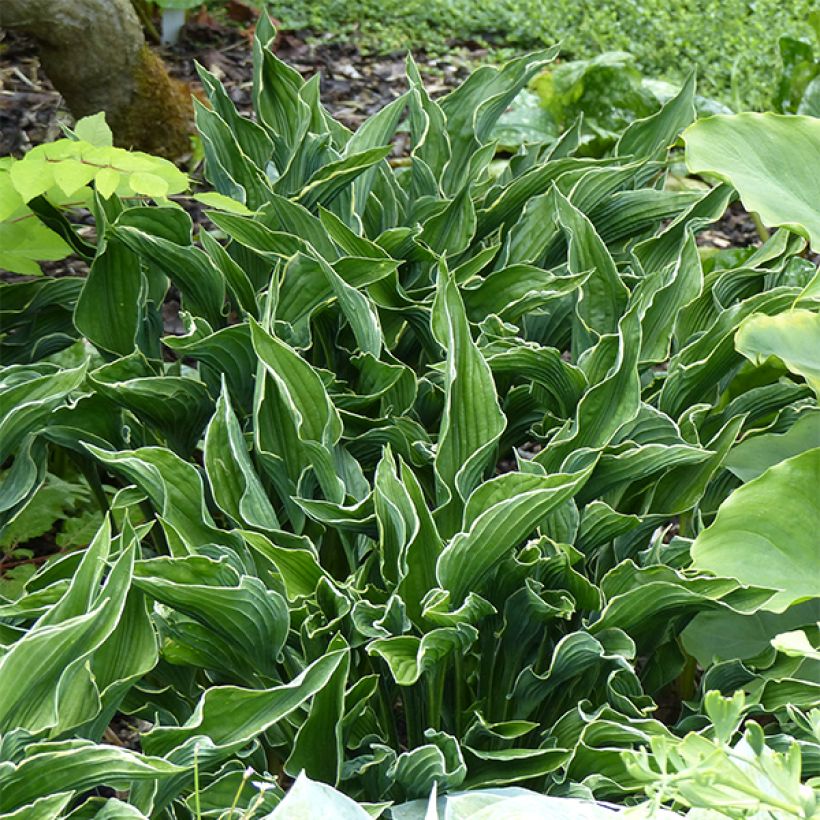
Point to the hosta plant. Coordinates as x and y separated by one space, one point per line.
460 476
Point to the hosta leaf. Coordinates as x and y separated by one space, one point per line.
77 766
245 613
409 657
664 294
174 488
318 749
98 808
237 178
176 408
32 671
306 798
503 766
683 486
440 761
722 635
515 196
316 418
44 808
428 125
229 716
695 369
613 399
516 290
774 517
472 421
472 110
235 485
25 406
754 455
637 464
114 287
228 352
639 600
603 295
792 337
250 136
129 653
449 232
328 182
163 235
577 660
376 131
498 516
763 156
248 231
240 286
646 137
276 97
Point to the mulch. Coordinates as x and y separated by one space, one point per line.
353 85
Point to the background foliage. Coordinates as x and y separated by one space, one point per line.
732 43
463 474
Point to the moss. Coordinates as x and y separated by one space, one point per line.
159 119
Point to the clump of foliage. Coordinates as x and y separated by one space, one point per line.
798 91
605 94
734 44
440 488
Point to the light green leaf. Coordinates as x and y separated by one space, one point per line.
307 799
212 199
765 532
792 337
94 129
764 156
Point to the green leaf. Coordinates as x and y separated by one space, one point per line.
235 485
472 421
306 798
498 516
754 455
94 129
114 287
54 652
764 157
228 717
410 657
318 748
221 202
645 138
764 532
25 243
301 388
76 765
242 612
791 337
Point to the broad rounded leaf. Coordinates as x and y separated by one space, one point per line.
792 336
767 157
765 533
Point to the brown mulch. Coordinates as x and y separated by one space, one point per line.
353 85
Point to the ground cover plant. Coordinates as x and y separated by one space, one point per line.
734 44
465 476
